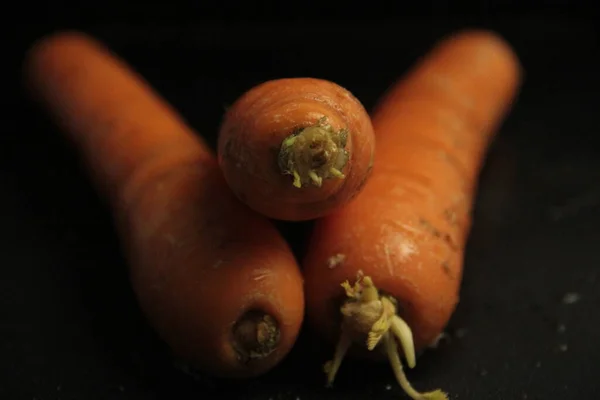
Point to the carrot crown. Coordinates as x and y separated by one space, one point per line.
314 153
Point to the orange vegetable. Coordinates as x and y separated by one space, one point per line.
296 149
406 232
216 280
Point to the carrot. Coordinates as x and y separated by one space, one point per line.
217 281
404 235
295 149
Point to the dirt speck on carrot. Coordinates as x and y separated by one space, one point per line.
448 270
433 230
450 216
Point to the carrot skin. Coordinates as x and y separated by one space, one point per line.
258 151
408 228
216 280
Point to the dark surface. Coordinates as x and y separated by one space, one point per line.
70 327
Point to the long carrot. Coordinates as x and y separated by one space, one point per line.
405 233
296 149
216 280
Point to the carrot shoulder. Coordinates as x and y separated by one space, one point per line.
405 235
296 148
217 281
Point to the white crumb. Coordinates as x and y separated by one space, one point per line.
335 260
563 347
571 298
460 333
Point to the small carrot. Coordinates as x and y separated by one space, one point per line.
296 149
216 280
404 236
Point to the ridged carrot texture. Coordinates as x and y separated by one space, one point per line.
216 281
295 149
405 234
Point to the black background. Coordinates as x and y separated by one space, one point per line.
69 324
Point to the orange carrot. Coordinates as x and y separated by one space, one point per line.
296 149
406 232
217 281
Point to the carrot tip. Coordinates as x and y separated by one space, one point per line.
367 313
313 154
392 352
255 336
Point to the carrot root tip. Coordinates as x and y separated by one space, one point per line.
255 336
331 367
367 313
313 154
392 352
